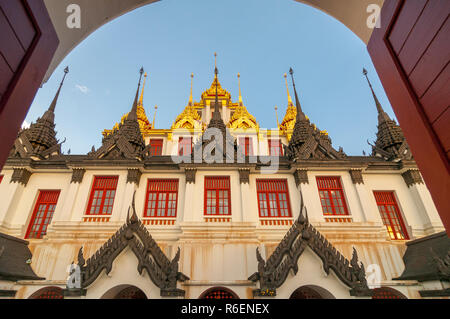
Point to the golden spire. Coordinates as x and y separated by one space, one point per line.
240 94
154 117
144 123
290 103
141 99
191 100
276 113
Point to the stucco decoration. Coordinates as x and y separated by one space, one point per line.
356 175
272 273
412 177
133 234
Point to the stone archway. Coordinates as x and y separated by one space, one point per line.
218 293
124 292
311 292
387 293
97 13
48 293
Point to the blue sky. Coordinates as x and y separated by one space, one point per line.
260 39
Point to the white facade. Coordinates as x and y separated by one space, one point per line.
220 252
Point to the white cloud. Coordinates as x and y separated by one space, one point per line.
83 89
25 125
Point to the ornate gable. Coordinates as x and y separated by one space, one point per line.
133 234
272 273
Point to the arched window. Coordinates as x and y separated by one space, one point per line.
48 293
311 292
131 293
218 293
387 293
124 292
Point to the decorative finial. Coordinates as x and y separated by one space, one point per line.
240 94
191 99
276 113
154 117
141 99
290 103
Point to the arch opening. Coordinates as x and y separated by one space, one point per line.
387 293
218 293
311 292
124 292
353 15
48 293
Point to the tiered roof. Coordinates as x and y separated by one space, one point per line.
126 142
391 143
307 142
39 140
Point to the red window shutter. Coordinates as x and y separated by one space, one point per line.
332 196
102 196
273 198
391 216
162 198
185 146
246 144
156 146
42 214
275 148
217 195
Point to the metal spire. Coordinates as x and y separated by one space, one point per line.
290 103
382 115
133 113
240 94
216 102
276 113
154 117
300 114
191 99
49 114
141 99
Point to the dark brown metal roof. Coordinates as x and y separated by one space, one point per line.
427 259
15 258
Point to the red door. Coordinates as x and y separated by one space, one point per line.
27 43
411 52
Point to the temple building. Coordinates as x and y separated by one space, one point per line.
216 206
